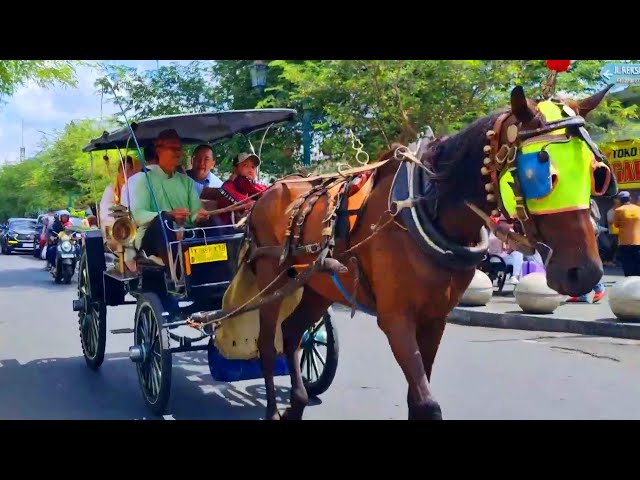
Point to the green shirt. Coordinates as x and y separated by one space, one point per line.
177 191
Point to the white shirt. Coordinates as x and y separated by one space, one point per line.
130 186
210 181
106 203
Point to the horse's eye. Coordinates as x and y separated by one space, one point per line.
543 156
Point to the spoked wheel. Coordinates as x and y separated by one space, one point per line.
151 353
319 359
92 319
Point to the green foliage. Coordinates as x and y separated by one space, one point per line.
168 90
59 172
45 73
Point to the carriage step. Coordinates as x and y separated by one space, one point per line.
122 330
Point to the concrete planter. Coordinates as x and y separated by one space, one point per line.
479 292
534 296
624 299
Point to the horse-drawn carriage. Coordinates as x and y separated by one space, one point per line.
411 229
203 262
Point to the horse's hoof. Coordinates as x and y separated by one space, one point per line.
291 415
427 411
274 416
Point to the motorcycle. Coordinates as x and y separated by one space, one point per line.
67 255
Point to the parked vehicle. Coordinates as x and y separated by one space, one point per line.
20 235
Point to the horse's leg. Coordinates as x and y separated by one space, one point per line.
311 307
401 334
266 270
428 335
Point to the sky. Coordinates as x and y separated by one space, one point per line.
50 109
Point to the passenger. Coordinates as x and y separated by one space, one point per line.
112 194
242 184
177 197
151 162
92 221
203 161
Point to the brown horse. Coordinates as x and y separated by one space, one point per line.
412 287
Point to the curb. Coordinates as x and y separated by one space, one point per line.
514 321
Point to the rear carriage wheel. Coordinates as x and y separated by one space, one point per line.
92 319
319 359
151 353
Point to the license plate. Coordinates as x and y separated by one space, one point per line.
216 252
67 255
27 245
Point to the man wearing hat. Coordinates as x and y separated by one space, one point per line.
627 221
242 183
176 194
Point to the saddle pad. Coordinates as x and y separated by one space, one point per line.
237 337
357 195
357 199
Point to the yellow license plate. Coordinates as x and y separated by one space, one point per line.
216 252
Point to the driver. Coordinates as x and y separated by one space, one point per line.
61 221
176 195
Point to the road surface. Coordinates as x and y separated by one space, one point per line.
479 373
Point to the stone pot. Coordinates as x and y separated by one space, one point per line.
534 296
479 292
624 299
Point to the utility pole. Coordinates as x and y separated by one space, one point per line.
22 151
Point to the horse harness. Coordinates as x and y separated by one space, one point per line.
410 201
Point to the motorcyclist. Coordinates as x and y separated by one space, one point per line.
58 226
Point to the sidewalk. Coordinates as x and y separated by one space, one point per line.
579 318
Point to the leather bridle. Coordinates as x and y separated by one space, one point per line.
501 157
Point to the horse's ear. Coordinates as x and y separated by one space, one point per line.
519 105
586 105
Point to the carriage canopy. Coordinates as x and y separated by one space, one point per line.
195 128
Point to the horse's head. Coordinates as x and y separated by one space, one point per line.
541 170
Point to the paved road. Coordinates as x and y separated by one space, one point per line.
480 373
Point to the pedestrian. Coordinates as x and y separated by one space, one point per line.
613 232
627 220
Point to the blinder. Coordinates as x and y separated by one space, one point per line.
603 183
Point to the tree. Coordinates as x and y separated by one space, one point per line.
166 91
58 173
383 101
46 73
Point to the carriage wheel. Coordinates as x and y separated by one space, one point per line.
92 319
152 354
319 359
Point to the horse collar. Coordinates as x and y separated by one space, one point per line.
408 200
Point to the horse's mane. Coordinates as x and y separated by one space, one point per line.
456 160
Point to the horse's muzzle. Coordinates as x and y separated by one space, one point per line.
574 281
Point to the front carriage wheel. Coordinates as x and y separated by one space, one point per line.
152 354
92 319
319 359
